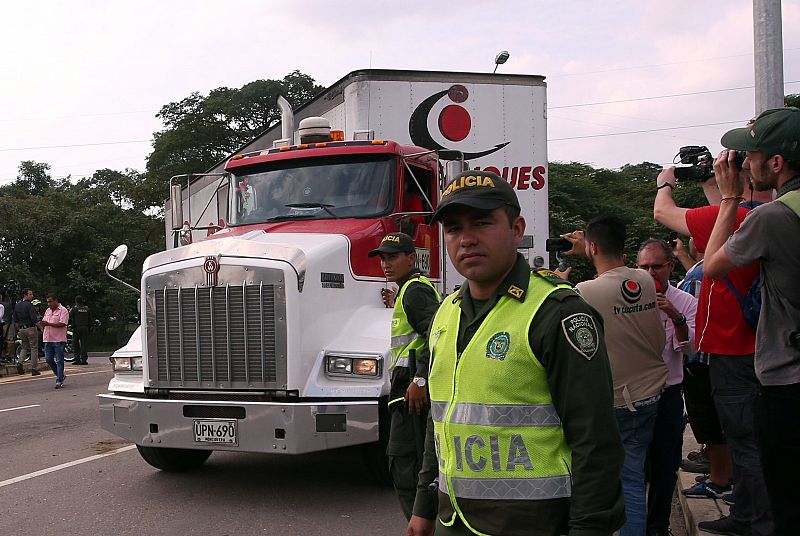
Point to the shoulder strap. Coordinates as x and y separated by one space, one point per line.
736 293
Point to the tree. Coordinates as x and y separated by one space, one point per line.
55 236
579 192
792 100
199 131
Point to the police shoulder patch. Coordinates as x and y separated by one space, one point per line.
581 333
552 277
498 345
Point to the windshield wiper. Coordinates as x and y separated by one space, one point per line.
324 206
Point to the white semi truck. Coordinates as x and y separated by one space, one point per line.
263 328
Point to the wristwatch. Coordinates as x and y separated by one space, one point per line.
680 321
420 382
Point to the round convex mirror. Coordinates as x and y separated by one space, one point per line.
116 257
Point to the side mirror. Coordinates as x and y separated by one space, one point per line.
116 257
176 206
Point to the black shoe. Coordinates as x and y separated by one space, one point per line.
696 466
59 385
725 525
35 372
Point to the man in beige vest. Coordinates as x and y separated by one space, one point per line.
635 338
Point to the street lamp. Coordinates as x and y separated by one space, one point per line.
500 59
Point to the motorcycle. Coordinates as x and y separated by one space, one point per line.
69 349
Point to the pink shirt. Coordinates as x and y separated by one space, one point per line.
50 333
674 349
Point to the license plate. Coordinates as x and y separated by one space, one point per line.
216 431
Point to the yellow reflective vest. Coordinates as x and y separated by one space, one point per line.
497 433
404 338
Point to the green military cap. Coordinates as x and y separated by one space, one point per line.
477 189
394 243
775 131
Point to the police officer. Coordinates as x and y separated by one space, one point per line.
520 387
415 303
80 321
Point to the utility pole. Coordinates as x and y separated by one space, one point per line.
768 54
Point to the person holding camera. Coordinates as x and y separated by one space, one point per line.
635 337
771 234
677 310
727 343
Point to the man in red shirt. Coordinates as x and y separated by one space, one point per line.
54 333
727 342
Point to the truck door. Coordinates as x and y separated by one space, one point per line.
418 189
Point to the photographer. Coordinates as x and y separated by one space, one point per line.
727 343
771 234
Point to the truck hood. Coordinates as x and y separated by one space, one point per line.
295 249
289 241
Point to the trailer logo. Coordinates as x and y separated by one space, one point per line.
211 268
454 123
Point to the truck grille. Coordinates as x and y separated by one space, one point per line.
219 337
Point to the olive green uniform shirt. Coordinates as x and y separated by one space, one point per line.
582 394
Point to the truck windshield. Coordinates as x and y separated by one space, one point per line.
318 188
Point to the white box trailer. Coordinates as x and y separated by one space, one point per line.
498 122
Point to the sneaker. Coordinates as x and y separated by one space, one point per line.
59 385
20 369
706 489
725 525
700 478
35 372
727 498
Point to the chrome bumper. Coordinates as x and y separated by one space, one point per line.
265 427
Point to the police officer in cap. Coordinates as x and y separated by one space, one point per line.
415 303
520 388
80 321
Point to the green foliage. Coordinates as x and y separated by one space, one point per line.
199 131
578 192
56 236
792 100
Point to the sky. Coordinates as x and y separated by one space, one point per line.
82 81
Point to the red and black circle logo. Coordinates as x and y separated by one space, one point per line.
454 123
631 291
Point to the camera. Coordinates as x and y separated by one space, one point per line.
558 244
672 239
701 163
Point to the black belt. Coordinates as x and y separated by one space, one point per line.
26 326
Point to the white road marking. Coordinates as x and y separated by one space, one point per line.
64 466
12 379
20 407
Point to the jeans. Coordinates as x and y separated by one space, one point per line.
636 432
777 416
735 387
54 355
665 457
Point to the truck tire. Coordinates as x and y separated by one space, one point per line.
173 460
375 453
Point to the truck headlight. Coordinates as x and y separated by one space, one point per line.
347 365
126 364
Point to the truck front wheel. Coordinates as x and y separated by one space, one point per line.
173 460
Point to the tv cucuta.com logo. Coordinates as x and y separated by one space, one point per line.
455 124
